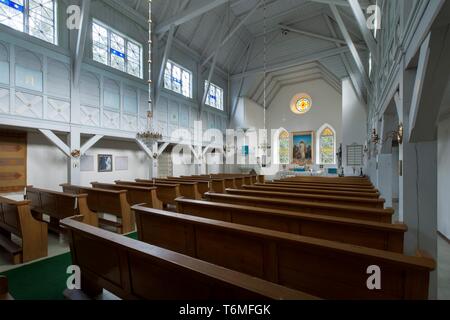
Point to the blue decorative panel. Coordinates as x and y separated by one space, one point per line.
211 121
28 78
4 72
184 116
89 90
111 95
173 113
161 109
130 101
58 79
143 103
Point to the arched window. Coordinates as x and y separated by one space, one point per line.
327 146
284 147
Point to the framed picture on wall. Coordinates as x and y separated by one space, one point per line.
302 148
105 163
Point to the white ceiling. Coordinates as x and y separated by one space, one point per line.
203 33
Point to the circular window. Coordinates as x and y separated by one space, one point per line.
301 104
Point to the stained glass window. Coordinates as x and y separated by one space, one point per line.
35 17
178 79
327 146
111 48
284 147
301 104
215 96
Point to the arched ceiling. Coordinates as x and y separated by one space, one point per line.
296 33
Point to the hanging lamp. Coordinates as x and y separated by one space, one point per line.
149 136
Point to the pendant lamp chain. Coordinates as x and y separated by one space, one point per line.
265 61
150 136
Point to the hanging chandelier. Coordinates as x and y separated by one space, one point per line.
264 146
151 135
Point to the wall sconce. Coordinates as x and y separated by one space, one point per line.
75 153
400 133
375 136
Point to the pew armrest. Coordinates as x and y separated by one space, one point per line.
425 255
4 295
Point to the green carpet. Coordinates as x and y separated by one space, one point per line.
42 280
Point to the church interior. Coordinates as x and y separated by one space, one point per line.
224 149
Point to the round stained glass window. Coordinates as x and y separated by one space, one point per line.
301 104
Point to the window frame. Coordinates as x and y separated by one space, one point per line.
182 69
319 145
109 49
215 86
26 21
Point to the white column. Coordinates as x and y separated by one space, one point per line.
385 178
74 143
418 187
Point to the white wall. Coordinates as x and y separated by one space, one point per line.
444 178
248 114
138 163
354 119
47 165
326 108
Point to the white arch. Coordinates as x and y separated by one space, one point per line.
318 135
276 144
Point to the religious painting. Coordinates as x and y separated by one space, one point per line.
302 148
105 163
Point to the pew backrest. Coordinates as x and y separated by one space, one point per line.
187 189
383 236
275 188
135 194
329 185
323 268
134 270
363 202
343 211
166 192
16 218
112 202
317 187
202 185
59 205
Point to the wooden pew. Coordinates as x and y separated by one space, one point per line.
228 181
327 269
113 202
275 188
166 193
351 212
329 185
216 184
383 236
4 291
135 195
202 185
16 219
131 269
317 187
58 206
352 201
331 180
187 189
239 180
